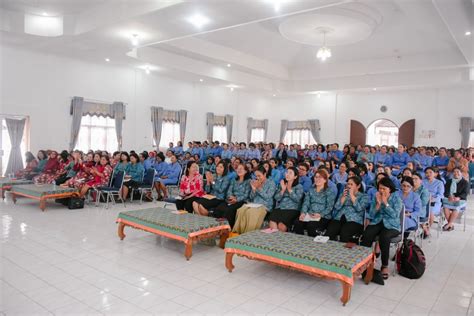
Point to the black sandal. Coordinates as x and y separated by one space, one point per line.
384 274
450 228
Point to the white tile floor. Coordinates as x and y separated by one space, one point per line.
65 262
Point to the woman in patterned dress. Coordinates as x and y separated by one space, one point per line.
191 187
49 170
63 163
31 164
82 172
101 174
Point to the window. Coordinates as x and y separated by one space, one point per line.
258 135
301 137
169 133
382 132
97 133
471 140
6 145
220 133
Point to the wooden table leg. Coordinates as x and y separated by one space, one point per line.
370 272
3 194
228 261
14 198
346 293
121 234
188 250
43 204
223 239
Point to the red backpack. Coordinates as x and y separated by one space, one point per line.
411 262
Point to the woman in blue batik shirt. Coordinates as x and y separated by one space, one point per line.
216 187
288 197
384 218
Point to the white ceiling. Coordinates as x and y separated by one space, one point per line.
375 43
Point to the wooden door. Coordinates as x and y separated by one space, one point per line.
406 133
358 133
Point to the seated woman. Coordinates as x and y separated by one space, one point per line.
384 218
69 169
349 212
159 165
273 173
250 216
63 167
42 157
436 188
169 177
191 187
49 169
340 175
373 190
82 170
412 203
124 160
217 187
455 192
208 165
31 165
101 175
318 203
237 194
288 197
133 175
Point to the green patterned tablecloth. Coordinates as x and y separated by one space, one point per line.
5 182
331 256
41 190
164 220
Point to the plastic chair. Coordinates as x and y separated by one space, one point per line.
398 240
172 187
114 189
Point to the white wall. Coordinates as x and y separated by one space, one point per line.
433 109
41 86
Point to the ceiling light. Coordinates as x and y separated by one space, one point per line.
135 39
147 70
231 89
44 14
201 80
229 65
319 95
467 33
274 95
324 52
276 4
107 59
51 26
198 20
375 89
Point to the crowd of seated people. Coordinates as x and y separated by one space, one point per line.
353 194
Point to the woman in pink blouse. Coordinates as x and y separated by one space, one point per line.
191 187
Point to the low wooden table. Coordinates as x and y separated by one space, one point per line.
331 260
187 228
6 184
42 193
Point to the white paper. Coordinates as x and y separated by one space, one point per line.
321 239
308 218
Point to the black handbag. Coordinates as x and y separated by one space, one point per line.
75 203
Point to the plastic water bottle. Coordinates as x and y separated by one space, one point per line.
54 185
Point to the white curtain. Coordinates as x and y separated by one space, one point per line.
183 115
119 112
283 129
15 130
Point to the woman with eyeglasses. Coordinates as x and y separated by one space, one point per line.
455 192
412 203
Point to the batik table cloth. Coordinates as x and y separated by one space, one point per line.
187 228
6 184
42 192
332 260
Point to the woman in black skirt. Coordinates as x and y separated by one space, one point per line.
288 197
237 194
217 187
190 188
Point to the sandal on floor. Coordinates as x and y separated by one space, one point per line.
446 227
377 255
450 228
384 274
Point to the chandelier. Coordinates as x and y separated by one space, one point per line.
324 52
